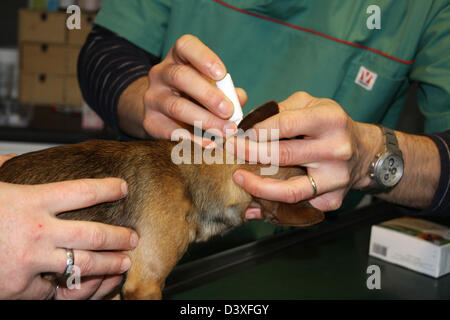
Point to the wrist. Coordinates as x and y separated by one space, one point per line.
130 109
369 142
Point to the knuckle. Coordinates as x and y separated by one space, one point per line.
84 188
330 102
72 234
149 118
158 69
86 265
293 195
175 107
210 123
151 124
286 124
97 239
345 151
212 96
182 41
301 94
286 155
115 266
148 97
154 72
89 192
341 118
177 73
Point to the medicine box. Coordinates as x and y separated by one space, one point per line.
414 243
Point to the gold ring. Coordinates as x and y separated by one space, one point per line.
314 185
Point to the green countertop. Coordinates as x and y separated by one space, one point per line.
328 267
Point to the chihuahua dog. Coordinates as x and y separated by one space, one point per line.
168 205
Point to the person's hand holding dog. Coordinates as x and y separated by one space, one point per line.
337 152
331 150
34 241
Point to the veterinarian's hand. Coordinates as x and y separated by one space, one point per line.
180 91
332 149
33 239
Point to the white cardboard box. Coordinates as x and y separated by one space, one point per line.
413 243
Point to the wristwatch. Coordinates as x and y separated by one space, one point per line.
386 169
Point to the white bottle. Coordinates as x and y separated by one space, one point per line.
227 87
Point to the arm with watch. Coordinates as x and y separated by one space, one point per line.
411 170
341 154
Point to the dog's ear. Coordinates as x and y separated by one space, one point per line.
259 114
297 215
300 214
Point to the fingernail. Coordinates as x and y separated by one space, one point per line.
229 129
126 264
134 239
252 213
224 109
124 188
217 71
239 179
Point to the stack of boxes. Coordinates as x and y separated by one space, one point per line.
48 57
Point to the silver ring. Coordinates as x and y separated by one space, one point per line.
314 185
70 262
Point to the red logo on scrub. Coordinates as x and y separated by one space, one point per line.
366 78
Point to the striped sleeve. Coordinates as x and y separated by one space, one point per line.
107 65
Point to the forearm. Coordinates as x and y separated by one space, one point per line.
422 165
421 175
108 68
130 109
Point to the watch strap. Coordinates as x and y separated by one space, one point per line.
391 143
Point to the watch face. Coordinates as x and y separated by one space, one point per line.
389 170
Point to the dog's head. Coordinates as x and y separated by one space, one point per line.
219 204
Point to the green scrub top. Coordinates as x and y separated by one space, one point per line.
273 48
